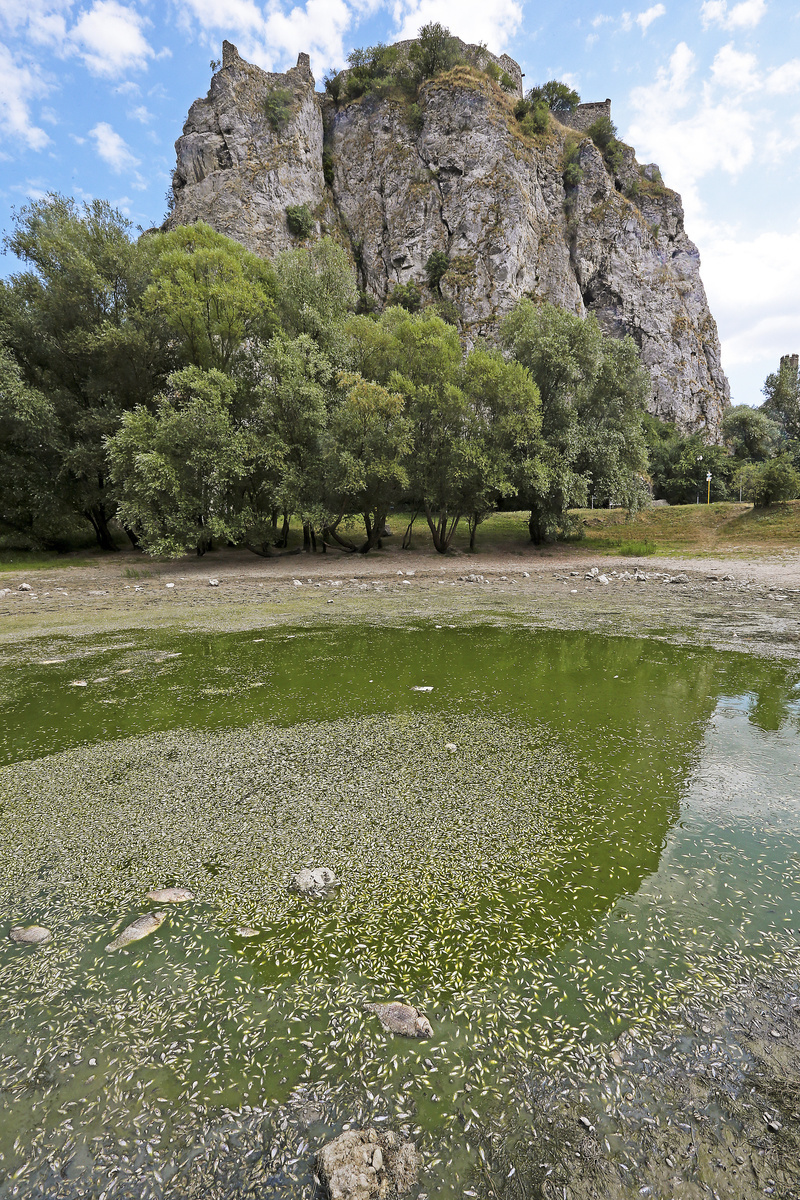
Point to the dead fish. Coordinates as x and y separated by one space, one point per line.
402 1018
137 930
317 882
30 935
170 895
244 931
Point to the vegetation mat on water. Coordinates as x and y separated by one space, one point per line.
202 1062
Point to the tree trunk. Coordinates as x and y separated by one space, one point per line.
284 538
406 543
306 537
473 529
99 522
534 529
374 530
132 537
441 532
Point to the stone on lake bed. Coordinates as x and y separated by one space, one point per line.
170 895
362 1164
318 881
137 930
402 1018
30 935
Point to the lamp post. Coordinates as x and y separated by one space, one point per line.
708 481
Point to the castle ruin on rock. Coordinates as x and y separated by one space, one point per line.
455 171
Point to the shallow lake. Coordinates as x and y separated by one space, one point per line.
617 831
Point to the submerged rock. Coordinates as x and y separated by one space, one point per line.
361 1164
402 1018
30 935
171 895
137 930
318 881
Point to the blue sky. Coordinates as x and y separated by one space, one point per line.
93 94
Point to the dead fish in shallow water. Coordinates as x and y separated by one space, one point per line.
402 1018
30 935
320 881
137 930
244 931
170 895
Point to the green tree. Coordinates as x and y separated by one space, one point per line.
772 482
679 464
316 293
507 422
407 296
750 433
559 97
211 292
593 393
31 499
368 443
434 51
436 267
177 467
782 397
290 422
76 324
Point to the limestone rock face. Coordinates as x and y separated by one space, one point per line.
457 174
236 170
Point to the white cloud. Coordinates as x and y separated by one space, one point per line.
473 20
745 15
112 148
645 19
710 137
140 113
275 38
785 79
753 286
601 19
735 70
19 85
110 39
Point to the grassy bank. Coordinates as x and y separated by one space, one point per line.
691 529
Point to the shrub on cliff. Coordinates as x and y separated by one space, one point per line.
559 97
300 220
278 107
603 133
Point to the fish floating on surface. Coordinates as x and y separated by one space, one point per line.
171 895
137 930
30 935
402 1018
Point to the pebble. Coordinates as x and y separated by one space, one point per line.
24 587
169 585
213 583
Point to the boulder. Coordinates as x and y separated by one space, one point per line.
362 1164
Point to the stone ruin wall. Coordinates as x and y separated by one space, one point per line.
586 115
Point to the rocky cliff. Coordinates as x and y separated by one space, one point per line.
456 171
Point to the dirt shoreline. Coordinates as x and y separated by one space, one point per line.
751 605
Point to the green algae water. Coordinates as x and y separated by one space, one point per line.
615 834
